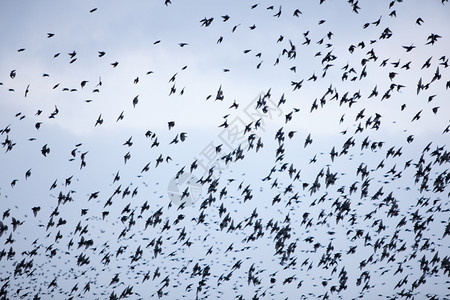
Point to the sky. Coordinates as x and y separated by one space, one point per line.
328 74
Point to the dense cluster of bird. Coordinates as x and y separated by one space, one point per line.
359 212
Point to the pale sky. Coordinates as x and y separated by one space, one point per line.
60 91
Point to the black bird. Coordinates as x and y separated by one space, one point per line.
45 150
135 101
99 120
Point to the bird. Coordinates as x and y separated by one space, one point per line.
409 48
308 140
99 120
35 210
121 116
135 101
297 12
27 174
27 90
45 150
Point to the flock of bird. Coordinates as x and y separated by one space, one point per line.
359 212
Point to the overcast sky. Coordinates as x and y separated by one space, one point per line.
88 80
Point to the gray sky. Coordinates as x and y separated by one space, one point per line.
144 38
